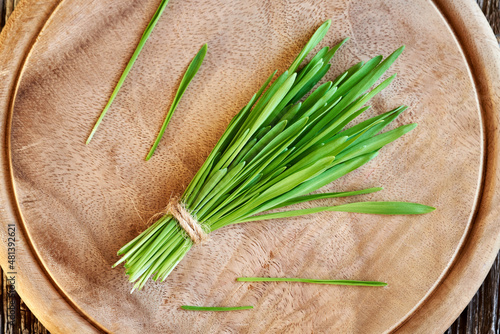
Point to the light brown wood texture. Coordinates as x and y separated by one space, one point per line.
75 205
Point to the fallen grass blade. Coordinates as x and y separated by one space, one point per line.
193 68
313 281
215 309
376 208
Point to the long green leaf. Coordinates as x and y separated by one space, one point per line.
193 68
313 281
211 183
377 208
215 309
315 39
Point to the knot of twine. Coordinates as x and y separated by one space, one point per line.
193 228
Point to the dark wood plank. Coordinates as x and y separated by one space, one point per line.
25 322
11 309
2 292
8 6
482 315
2 13
491 8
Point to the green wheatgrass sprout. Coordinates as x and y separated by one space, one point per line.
147 32
313 281
275 152
215 309
193 68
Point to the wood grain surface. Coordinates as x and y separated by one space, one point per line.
444 241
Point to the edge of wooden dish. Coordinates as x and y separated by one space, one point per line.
475 258
33 283
471 266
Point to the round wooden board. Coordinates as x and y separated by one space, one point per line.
75 205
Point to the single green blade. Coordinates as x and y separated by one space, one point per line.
319 56
333 50
385 208
315 39
215 309
313 281
376 208
193 68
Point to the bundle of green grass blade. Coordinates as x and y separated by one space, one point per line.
277 150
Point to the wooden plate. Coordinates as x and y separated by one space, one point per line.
73 205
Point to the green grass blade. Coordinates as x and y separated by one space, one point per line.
264 100
338 80
224 184
317 77
316 95
381 125
357 73
279 188
326 129
266 83
298 85
291 112
215 309
385 208
374 143
147 235
193 68
313 281
147 32
376 208
199 179
319 56
388 117
294 179
274 102
260 162
335 173
281 141
315 197
256 120
220 147
321 152
248 146
262 132
315 39
322 105
364 80
232 151
276 162
319 181
333 50
264 141
211 183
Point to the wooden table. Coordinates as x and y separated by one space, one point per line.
481 316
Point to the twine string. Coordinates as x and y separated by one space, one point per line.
188 223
